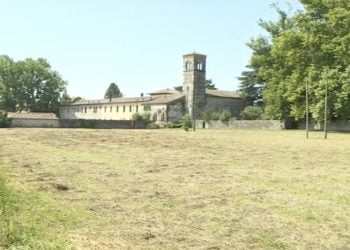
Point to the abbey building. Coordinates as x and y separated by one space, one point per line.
163 105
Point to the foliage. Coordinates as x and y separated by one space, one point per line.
29 84
136 117
113 91
310 47
208 114
186 122
225 115
251 113
209 84
67 99
251 86
145 117
178 88
4 120
153 125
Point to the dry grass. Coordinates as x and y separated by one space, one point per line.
168 189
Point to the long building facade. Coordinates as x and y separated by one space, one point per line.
167 105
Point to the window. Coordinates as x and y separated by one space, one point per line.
188 66
85 109
117 108
147 108
137 108
124 108
105 109
199 66
95 110
130 108
110 109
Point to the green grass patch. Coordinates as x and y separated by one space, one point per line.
31 220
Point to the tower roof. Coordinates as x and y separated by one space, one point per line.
194 53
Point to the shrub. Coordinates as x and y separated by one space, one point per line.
207 114
4 120
172 125
145 117
153 125
186 122
225 115
251 113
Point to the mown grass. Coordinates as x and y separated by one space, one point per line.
20 231
170 189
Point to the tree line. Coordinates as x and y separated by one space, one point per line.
307 49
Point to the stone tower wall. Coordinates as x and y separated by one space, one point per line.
194 83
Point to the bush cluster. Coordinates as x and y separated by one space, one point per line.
4 120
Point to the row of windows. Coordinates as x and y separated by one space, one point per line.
123 108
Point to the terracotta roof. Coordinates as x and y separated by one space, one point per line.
223 93
32 115
114 100
165 91
167 99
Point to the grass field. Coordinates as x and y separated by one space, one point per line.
171 189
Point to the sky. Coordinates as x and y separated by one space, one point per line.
137 44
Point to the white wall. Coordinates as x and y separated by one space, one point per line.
109 111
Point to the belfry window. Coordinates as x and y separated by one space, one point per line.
199 66
188 66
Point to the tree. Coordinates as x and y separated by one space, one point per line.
113 91
67 99
310 46
251 113
209 84
29 84
251 86
178 88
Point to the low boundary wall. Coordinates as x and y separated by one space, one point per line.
34 123
121 124
342 126
241 124
76 123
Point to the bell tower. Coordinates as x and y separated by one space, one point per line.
194 66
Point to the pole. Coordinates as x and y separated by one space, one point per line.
325 110
307 110
193 110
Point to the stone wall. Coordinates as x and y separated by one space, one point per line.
34 123
76 123
104 124
241 124
331 126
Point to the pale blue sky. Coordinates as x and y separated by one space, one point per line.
136 43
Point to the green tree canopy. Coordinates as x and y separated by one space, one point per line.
113 91
311 46
29 84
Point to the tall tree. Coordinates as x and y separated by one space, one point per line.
113 91
312 46
251 86
29 84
